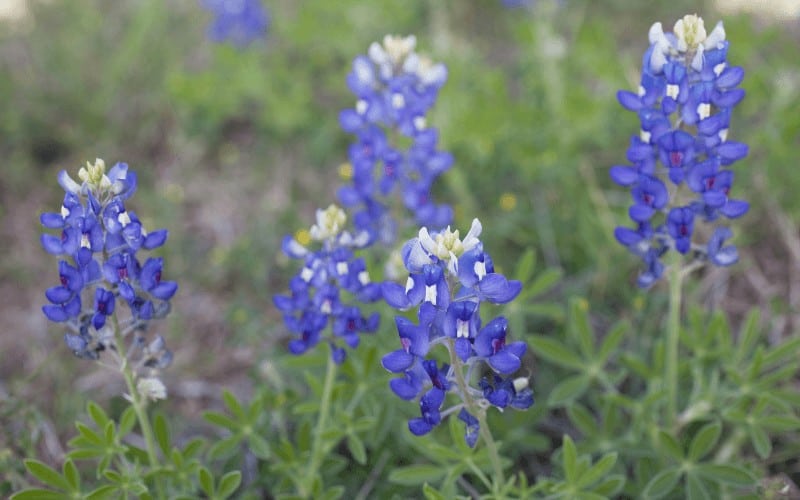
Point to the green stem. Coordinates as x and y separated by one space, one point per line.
322 422
138 403
675 277
480 413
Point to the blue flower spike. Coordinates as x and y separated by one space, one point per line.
101 273
679 174
449 278
328 289
395 87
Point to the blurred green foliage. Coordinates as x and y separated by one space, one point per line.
234 148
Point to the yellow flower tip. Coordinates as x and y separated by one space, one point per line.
303 237
346 171
583 304
330 222
508 202
690 32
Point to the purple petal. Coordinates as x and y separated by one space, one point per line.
397 361
504 362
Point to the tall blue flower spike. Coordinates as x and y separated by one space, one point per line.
239 21
449 280
315 299
395 87
679 174
100 271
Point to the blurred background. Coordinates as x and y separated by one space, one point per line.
235 146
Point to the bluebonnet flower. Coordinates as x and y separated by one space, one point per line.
99 267
449 278
315 298
240 21
395 88
684 104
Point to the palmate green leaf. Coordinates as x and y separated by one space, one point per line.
611 341
414 475
525 267
779 423
543 282
668 444
225 447
72 475
161 431
662 484
695 489
610 486
432 493
206 481
760 440
233 405
556 352
787 351
126 422
46 474
356 447
228 484
97 413
582 419
570 459
37 494
568 390
598 470
259 446
727 474
221 420
748 337
580 327
704 441
89 434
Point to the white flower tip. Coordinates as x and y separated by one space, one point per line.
68 183
656 33
716 37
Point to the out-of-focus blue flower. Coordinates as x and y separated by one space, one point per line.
684 104
239 21
315 298
449 279
395 88
99 244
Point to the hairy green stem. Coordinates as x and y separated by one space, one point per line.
322 422
675 278
480 413
139 404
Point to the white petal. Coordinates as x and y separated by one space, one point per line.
471 239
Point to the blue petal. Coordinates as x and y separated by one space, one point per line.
52 244
395 295
504 362
419 426
397 361
629 100
624 176
735 208
497 289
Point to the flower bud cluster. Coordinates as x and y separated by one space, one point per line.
315 298
449 280
395 88
679 172
103 284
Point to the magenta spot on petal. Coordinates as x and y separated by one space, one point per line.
675 158
406 343
498 344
